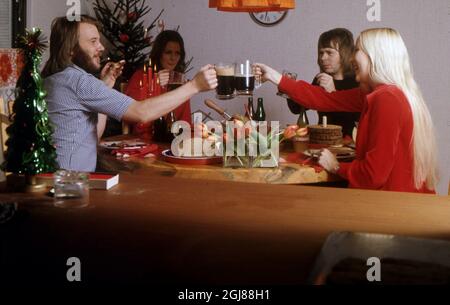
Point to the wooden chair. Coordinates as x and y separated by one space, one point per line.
4 122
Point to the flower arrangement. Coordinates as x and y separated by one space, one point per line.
247 143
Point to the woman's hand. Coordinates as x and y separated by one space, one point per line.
111 71
205 79
328 161
164 76
267 73
326 82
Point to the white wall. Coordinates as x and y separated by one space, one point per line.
211 36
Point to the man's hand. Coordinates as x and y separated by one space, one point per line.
111 71
205 79
326 82
267 73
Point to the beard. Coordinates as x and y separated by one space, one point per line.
84 61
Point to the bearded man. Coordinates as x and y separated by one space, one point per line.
78 102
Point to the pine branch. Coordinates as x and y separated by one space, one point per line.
152 25
123 27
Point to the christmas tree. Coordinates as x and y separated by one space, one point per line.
123 28
29 147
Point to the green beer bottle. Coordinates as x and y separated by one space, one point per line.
260 114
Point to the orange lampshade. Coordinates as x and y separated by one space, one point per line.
252 5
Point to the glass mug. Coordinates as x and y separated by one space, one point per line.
290 75
245 80
225 81
176 79
71 189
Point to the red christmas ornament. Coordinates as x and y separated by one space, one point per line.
124 38
132 16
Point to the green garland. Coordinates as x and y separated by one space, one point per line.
30 149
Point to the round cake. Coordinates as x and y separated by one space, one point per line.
329 135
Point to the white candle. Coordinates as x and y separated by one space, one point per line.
324 121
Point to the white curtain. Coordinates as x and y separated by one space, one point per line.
5 23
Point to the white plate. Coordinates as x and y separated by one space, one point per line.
200 160
315 153
128 144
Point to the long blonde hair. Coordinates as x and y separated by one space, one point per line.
390 64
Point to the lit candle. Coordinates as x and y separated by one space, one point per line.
324 121
142 91
144 77
150 76
158 87
145 33
155 77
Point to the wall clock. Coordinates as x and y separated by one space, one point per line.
268 18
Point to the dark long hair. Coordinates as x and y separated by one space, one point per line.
341 40
160 44
63 43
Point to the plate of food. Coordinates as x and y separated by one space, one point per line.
339 152
168 156
125 144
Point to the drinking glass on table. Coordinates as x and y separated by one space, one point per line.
71 189
289 74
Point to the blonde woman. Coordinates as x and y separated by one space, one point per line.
396 148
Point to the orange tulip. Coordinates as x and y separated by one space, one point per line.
301 132
290 131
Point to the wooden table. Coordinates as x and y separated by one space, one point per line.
286 173
151 229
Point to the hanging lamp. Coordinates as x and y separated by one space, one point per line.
252 5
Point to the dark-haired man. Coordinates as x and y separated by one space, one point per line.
335 51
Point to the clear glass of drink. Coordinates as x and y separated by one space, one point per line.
176 79
245 80
71 189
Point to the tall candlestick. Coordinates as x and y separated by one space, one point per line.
158 87
324 121
155 77
142 91
145 78
150 77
